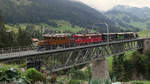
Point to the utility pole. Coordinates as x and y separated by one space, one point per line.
107 27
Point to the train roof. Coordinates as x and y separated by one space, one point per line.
56 35
121 33
126 33
109 33
80 35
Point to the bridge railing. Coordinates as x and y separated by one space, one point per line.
16 49
26 48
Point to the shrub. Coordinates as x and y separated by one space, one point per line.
101 81
8 74
96 82
74 82
33 75
81 75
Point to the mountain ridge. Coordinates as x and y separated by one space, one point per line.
125 18
139 12
37 11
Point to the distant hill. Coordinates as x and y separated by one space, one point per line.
45 11
130 18
139 12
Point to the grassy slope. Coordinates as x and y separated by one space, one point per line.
136 24
139 25
144 33
142 82
22 2
62 26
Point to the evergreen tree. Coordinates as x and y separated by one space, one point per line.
118 67
24 38
114 67
3 35
12 39
8 37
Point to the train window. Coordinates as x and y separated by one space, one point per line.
54 38
62 38
57 38
86 37
94 36
45 38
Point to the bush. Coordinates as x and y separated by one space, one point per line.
81 75
96 82
33 75
75 82
101 81
126 67
8 74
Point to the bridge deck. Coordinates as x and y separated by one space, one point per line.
34 52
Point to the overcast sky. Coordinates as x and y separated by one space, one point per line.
108 4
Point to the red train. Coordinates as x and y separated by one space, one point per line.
65 40
87 38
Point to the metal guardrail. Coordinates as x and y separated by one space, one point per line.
35 52
16 49
29 48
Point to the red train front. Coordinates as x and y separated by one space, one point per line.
80 39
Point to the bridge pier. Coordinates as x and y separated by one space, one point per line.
146 49
141 43
100 70
145 46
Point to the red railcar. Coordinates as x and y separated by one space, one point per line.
87 38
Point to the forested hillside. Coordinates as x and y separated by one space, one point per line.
45 11
126 19
11 39
139 12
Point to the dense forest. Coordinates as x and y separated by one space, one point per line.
131 67
45 11
10 39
